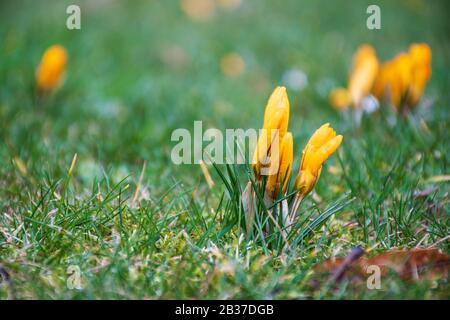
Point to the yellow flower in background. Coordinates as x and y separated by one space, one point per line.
322 144
420 55
363 75
340 98
51 69
383 79
276 118
393 80
403 79
279 180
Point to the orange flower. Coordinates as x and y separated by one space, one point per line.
51 68
383 80
275 125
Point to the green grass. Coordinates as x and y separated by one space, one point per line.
117 109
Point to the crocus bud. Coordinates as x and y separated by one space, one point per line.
322 144
276 118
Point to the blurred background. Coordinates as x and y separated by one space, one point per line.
139 69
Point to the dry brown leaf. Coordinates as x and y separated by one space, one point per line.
418 264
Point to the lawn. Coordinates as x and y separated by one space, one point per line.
88 187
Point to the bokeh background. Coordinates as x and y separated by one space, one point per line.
138 69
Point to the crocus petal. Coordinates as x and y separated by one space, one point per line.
340 98
323 153
285 160
382 80
322 135
277 107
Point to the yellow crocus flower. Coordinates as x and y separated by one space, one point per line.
403 79
276 118
322 144
285 158
364 71
420 55
393 80
363 74
50 71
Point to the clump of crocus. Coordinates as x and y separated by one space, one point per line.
50 70
362 77
273 160
420 55
402 80
393 80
